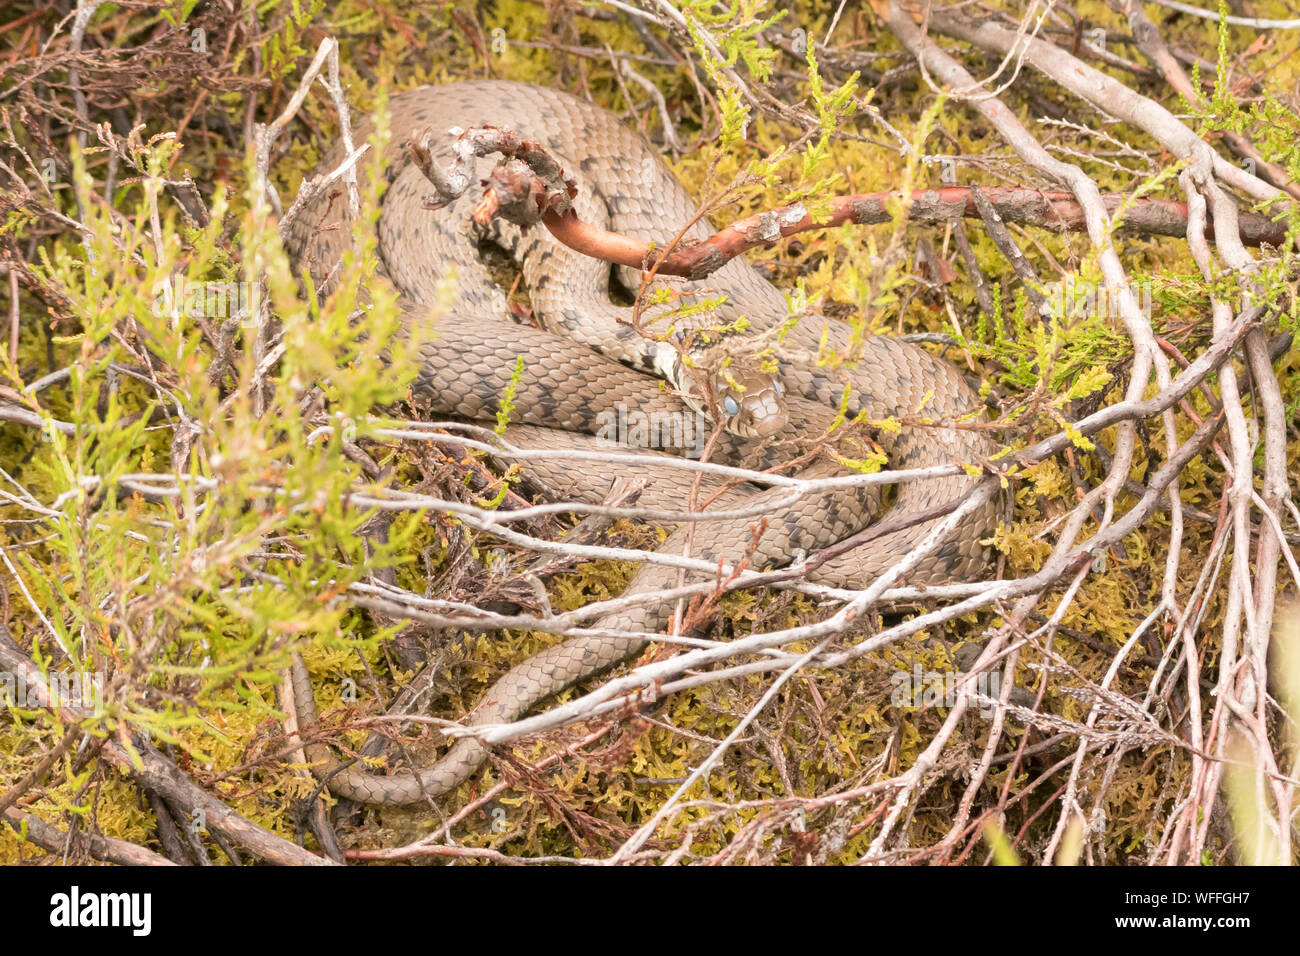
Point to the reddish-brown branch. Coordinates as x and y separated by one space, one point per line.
530 184
1055 211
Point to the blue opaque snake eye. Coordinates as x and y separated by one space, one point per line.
731 406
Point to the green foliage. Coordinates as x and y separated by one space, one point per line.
285 47
179 12
735 28
832 109
1067 356
184 573
507 404
1274 128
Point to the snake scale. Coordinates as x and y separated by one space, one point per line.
623 185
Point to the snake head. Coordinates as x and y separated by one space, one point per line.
749 400
753 402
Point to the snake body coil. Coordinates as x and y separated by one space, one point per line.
624 186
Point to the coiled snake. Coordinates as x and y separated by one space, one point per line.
566 388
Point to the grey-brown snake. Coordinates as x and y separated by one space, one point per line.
565 387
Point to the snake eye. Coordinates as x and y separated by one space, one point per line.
730 405
780 389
